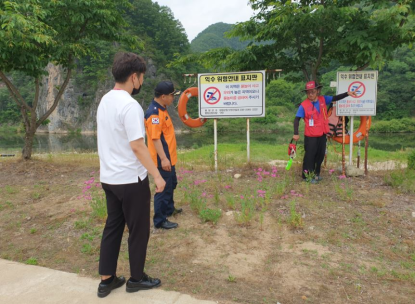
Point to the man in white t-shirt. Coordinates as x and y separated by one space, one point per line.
124 163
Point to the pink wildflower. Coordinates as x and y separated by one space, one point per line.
259 169
242 197
342 176
273 175
227 187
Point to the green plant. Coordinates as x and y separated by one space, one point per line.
10 190
246 214
31 261
33 231
411 160
87 249
82 224
295 219
309 176
36 195
231 279
210 215
99 205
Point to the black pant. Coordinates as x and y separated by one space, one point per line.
164 201
315 149
129 203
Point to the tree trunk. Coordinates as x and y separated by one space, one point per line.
28 144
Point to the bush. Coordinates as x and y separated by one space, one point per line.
411 160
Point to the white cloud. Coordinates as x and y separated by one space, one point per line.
196 15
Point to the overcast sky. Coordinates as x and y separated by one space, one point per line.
196 15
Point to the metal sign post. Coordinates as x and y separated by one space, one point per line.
248 143
215 139
351 141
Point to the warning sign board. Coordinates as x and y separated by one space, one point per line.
232 95
364 84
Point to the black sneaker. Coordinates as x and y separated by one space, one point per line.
105 289
168 225
145 283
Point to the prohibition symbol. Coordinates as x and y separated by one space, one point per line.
212 95
357 87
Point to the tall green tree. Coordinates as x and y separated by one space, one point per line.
34 33
305 35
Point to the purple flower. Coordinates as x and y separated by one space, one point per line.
273 175
342 176
227 187
259 169
242 197
261 191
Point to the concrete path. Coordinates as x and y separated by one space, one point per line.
20 284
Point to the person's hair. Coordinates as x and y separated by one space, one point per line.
126 64
157 94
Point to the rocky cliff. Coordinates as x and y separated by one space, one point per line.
72 115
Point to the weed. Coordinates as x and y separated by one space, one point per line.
33 231
36 195
86 236
99 205
31 261
210 215
87 249
295 220
82 224
10 190
247 211
230 201
231 279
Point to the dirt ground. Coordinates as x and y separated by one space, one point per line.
341 241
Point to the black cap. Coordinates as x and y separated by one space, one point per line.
166 88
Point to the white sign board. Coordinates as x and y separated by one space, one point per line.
232 95
364 83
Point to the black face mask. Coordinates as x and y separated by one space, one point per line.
135 91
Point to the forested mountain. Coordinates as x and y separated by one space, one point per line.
214 36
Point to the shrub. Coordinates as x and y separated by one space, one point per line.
411 160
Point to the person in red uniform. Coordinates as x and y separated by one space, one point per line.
314 112
162 147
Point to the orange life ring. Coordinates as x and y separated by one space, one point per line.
184 98
358 135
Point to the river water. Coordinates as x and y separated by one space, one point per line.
58 143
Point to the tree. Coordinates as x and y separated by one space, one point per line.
305 35
36 32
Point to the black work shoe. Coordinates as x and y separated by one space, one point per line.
145 283
105 289
176 211
168 225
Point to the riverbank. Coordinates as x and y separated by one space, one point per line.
264 237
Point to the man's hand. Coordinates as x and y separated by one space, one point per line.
353 94
160 183
165 164
296 137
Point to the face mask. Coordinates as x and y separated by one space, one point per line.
135 91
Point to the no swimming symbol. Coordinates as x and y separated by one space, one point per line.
212 95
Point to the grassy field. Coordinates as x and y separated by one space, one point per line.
250 233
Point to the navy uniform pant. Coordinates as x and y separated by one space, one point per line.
126 204
315 149
164 202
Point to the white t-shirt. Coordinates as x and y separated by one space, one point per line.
120 120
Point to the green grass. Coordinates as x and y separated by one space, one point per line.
230 155
31 261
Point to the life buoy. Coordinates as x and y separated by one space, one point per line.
358 135
184 98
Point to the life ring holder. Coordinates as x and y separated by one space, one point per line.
358 135
185 118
